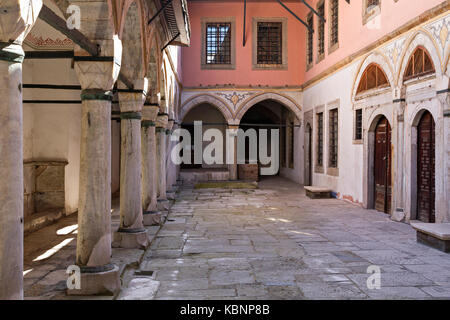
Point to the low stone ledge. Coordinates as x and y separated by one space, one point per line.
318 192
436 235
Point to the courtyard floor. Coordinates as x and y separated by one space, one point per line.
275 243
267 243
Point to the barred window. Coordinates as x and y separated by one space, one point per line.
310 39
334 13
419 64
218 43
320 139
333 138
358 124
321 36
371 4
269 43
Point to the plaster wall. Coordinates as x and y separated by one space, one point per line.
52 131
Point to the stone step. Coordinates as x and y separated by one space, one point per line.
317 192
436 235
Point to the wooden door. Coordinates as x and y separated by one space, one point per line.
383 183
426 169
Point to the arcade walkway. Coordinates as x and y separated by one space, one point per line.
274 243
268 243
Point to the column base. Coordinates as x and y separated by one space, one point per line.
103 280
163 204
170 195
131 239
152 218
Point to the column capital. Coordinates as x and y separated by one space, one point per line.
132 100
149 113
17 19
444 98
170 123
162 120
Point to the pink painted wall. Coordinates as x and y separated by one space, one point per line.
353 35
243 75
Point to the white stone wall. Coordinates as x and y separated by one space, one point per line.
52 131
353 182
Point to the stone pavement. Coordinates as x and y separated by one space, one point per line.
49 251
274 243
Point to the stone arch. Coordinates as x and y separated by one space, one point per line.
420 39
374 58
285 101
133 42
152 70
376 115
209 99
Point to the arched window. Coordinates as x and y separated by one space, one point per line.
419 64
372 78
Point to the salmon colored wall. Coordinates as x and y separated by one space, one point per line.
353 35
243 75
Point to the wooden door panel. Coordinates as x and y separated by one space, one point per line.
383 189
426 169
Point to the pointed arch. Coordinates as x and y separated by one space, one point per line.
420 40
372 78
382 62
132 33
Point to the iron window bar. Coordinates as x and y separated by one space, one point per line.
296 17
314 11
159 11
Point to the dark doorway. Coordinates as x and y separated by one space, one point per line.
426 169
383 168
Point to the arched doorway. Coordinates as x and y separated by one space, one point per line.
211 118
383 166
270 114
426 169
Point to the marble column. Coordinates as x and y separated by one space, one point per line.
174 168
161 125
16 20
169 164
131 233
399 104
149 174
97 77
232 143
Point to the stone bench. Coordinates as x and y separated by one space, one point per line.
318 192
436 235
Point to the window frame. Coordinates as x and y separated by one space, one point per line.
319 167
309 42
367 14
211 66
333 107
284 49
357 140
411 59
332 47
320 23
